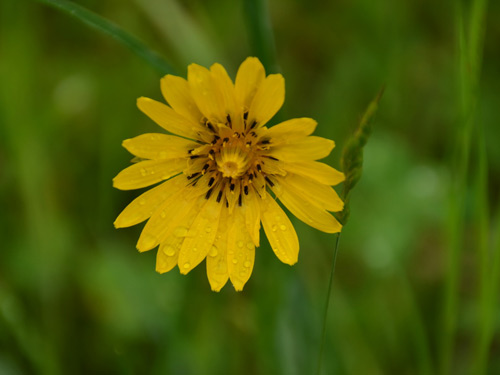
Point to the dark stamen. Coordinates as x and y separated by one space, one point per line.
253 124
208 194
194 156
250 177
216 138
205 167
239 200
225 140
269 181
219 196
245 115
210 126
211 182
259 168
193 175
228 120
265 142
253 134
245 189
271 157
190 151
231 187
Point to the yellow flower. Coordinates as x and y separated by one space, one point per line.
217 174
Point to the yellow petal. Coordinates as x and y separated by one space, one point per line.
267 101
168 253
240 251
226 88
315 170
168 220
248 79
252 214
159 146
168 119
279 231
147 173
201 235
322 196
217 272
206 93
291 130
145 204
176 92
311 215
309 148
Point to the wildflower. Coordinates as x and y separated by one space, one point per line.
217 174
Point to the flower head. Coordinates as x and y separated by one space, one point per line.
216 174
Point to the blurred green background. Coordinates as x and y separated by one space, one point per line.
77 298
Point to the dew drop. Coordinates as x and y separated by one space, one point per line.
187 265
169 250
240 243
248 263
208 229
283 227
274 228
152 172
144 172
142 201
163 214
277 218
213 251
180 232
235 260
195 249
249 245
242 274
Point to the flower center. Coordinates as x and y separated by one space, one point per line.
232 161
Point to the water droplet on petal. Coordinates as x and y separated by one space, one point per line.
142 201
144 172
195 249
283 227
277 218
249 245
235 260
242 274
187 265
180 232
213 251
169 250
274 228
248 263
163 214
208 229
240 243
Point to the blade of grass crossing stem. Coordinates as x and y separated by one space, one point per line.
259 26
481 219
470 56
107 27
327 303
352 165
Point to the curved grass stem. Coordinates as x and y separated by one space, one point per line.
107 27
327 304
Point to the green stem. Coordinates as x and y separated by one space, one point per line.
327 304
261 32
107 27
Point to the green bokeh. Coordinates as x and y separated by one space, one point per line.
75 295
